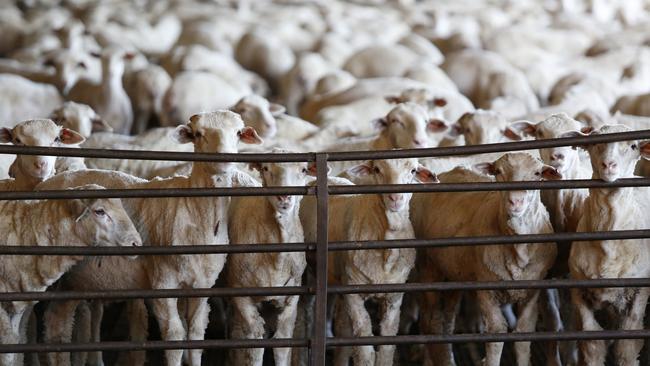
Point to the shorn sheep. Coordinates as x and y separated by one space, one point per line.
76 222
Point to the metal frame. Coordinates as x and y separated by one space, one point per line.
318 342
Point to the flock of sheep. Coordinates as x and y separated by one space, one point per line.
278 76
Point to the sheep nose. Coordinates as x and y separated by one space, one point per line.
515 201
395 197
557 157
39 164
610 165
282 198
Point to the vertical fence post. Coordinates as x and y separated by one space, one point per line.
317 354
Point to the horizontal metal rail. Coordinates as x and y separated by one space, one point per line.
330 342
332 289
332 246
334 190
332 156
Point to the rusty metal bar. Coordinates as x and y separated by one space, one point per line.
332 246
317 347
333 156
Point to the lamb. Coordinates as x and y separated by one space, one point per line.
107 98
612 209
77 222
146 88
80 118
370 217
479 127
29 170
165 222
264 220
493 213
22 99
270 120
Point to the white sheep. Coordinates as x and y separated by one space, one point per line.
480 127
29 170
370 217
301 79
146 87
108 98
479 214
183 221
263 220
22 99
633 104
609 209
76 222
263 52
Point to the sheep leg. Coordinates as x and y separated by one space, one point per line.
171 326
9 334
388 327
198 312
286 323
59 320
343 329
495 322
247 323
138 329
361 327
29 334
591 352
627 350
82 332
432 321
526 321
97 314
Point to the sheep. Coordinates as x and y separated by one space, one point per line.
301 79
380 61
80 118
146 88
494 213
479 127
637 105
272 219
263 52
196 91
612 209
22 99
107 98
29 170
165 222
76 222
370 217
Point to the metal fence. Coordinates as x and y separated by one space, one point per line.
319 342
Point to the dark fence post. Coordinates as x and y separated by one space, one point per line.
317 349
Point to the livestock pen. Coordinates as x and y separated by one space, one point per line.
318 342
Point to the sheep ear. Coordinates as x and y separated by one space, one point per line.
550 173
182 134
515 130
644 149
313 171
393 99
587 130
485 168
380 124
361 170
5 135
424 175
70 137
455 130
99 125
248 135
437 125
576 134
276 109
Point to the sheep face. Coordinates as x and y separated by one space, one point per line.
103 222
284 175
38 132
258 113
216 132
80 118
517 167
613 160
479 127
562 158
407 126
395 171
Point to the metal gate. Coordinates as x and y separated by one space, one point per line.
319 342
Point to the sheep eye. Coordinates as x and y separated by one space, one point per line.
538 174
100 212
413 171
633 146
376 170
57 139
266 168
304 170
